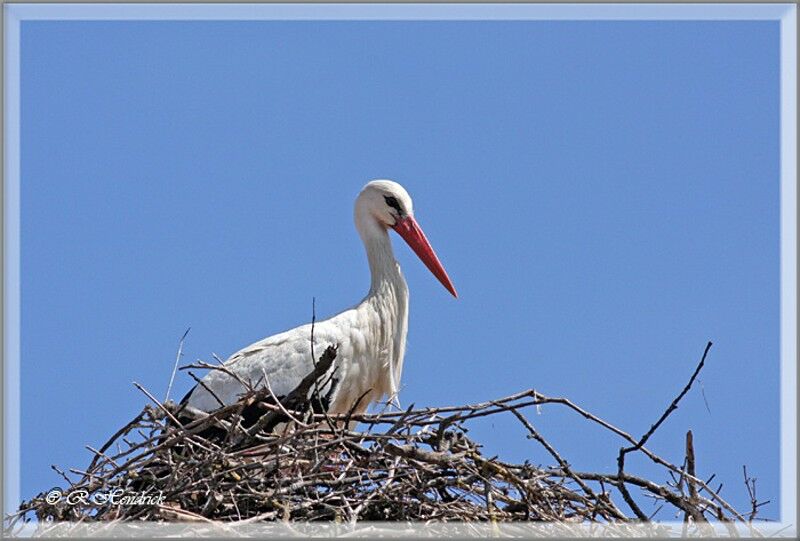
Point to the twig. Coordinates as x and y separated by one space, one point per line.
674 405
415 464
177 360
639 444
210 391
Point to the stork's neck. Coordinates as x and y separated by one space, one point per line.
388 298
384 270
383 267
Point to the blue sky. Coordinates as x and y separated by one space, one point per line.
604 195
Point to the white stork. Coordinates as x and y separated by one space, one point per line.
371 336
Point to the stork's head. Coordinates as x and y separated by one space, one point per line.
384 204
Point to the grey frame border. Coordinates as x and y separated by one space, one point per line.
787 13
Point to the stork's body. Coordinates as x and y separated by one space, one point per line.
370 336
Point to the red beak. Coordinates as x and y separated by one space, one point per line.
412 233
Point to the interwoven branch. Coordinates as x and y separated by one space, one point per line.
414 464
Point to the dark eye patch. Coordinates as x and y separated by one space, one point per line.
392 202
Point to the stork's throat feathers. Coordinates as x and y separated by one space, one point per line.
382 263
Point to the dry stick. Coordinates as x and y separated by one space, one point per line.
177 360
167 442
130 462
563 463
466 475
314 361
355 405
694 498
278 402
674 405
100 454
431 457
60 472
222 368
654 513
689 465
397 424
202 384
661 491
313 322
750 483
625 450
299 395
157 403
124 430
652 456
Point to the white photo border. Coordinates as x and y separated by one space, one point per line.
787 13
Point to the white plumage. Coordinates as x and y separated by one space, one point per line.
371 336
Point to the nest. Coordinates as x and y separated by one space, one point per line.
408 465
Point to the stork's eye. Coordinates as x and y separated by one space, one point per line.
392 202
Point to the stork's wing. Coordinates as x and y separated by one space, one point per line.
283 360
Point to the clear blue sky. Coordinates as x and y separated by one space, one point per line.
604 196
